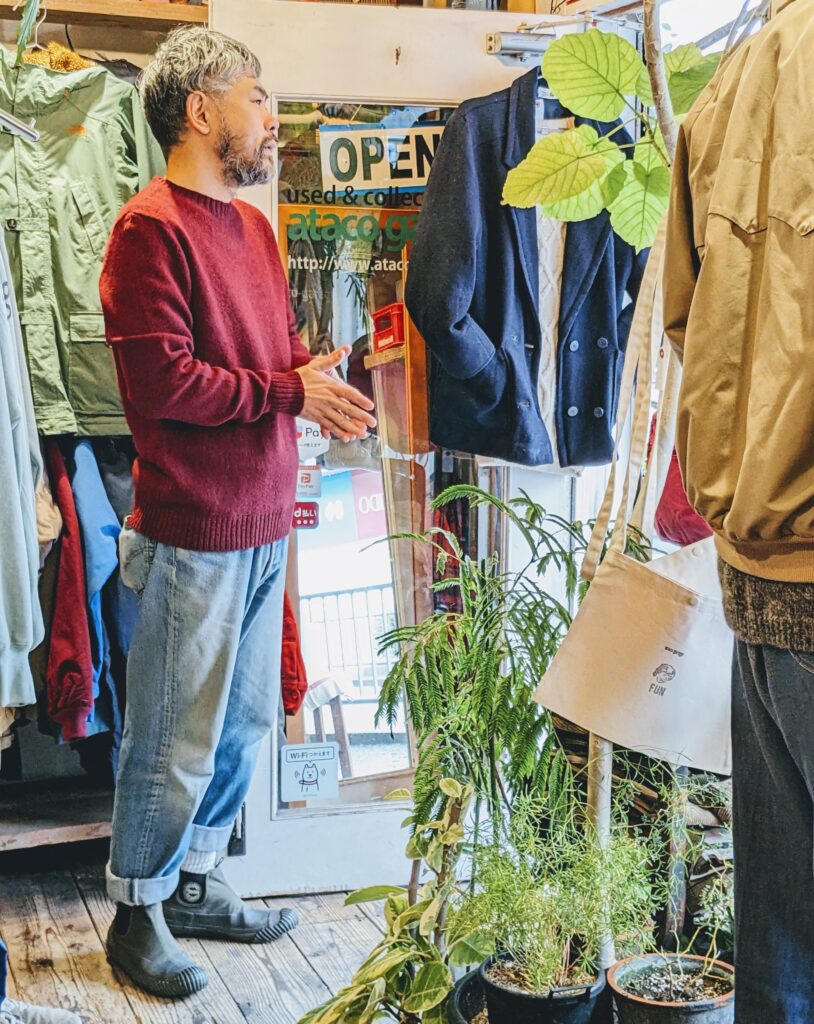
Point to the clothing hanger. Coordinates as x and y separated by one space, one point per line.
25 26
35 43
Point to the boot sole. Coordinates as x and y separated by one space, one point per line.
287 922
179 986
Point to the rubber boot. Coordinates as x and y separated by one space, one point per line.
141 944
206 907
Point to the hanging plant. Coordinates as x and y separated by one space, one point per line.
575 174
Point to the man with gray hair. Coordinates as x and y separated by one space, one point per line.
212 374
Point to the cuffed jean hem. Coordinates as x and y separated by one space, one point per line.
140 892
210 840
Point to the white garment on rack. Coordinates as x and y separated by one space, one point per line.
551 253
21 625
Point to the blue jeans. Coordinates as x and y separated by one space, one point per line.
203 688
773 775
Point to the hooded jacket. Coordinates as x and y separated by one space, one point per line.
58 200
738 300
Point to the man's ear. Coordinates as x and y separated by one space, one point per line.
200 113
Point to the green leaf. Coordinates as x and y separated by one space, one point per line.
373 893
650 151
601 194
453 835
452 788
436 1015
399 794
470 949
682 58
379 967
333 1011
435 855
557 167
394 906
686 81
429 918
638 209
377 994
591 73
687 86
410 916
416 848
431 987
26 28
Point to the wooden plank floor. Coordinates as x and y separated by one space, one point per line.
54 920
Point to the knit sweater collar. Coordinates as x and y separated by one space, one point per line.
215 206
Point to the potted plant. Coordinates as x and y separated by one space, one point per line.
674 988
407 976
545 898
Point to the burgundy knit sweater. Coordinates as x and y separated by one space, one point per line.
198 315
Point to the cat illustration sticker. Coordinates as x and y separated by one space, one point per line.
309 771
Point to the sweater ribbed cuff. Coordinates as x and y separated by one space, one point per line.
286 393
73 721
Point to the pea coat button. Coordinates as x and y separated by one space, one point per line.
573 411
602 343
574 346
599 412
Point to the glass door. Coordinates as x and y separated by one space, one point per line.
357 92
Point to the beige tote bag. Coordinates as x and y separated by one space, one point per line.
647 661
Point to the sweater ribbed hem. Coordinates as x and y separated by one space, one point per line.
73 720
766 612
788 560
212 533
286 393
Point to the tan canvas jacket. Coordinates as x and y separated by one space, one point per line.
739 300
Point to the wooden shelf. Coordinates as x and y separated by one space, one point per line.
141 14
57 811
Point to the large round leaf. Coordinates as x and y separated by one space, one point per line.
650 151
557 167
687 86
591 73
591 203
638 209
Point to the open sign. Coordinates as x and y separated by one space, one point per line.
369 157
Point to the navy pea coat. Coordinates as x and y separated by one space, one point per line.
473 292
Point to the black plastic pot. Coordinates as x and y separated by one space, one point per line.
466 1000
573 1005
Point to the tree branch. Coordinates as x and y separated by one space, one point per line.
658 76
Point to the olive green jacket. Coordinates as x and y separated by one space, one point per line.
58 200
739 300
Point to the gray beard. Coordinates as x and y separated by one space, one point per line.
240 171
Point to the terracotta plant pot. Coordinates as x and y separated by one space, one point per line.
637 1010
573 1005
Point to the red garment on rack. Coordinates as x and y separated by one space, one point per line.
293 678
69 676
676 520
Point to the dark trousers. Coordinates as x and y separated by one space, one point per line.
773 775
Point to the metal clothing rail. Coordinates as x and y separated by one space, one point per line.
12 124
